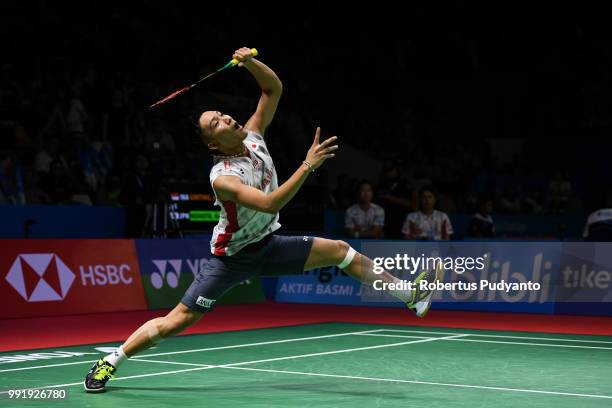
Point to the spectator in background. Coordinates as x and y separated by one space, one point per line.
559 191
77 115
533 203
96 160
364 219
11 181
57 185
508 201
481 224
599 224
55 124
157 140
136 192
115 120
49 153
394 196
427 223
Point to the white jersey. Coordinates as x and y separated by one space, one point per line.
238 225
437 226
355 217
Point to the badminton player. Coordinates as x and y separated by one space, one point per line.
243 243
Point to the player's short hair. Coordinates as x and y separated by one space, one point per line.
202 133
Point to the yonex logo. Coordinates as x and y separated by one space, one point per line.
207 303
171 275
40 277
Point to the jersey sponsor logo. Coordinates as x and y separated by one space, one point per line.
40 277
267 179
205 303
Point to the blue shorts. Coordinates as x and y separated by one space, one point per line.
272 256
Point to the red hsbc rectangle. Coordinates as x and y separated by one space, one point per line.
57 277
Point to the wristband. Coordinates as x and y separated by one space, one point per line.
309 165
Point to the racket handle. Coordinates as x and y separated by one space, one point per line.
235 62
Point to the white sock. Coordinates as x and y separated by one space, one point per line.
116 357
403 295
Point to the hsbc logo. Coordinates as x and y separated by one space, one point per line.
40 277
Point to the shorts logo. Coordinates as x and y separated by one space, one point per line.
206 303
305 239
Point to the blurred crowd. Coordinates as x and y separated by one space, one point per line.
74 127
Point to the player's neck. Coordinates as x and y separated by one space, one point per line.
235 152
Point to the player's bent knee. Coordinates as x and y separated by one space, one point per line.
345 254
340 251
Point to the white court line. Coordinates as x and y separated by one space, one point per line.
173 362
484 387
534 344
45 366
322 353
208 367
262 343
117 379
495 336
492 341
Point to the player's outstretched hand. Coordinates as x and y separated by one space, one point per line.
319 152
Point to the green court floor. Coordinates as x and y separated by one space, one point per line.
332 365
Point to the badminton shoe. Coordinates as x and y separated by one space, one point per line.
421 299
98 375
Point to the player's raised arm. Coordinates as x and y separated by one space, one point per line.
271 90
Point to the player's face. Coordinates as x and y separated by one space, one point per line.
222 130
428 200
365 193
